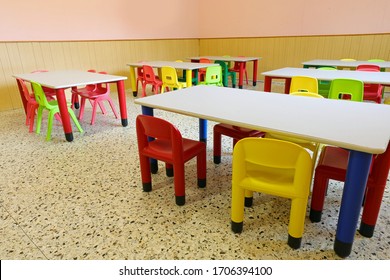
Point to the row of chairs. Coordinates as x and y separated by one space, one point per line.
271 164
42 98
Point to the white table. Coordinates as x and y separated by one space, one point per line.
289 72
342 63
188 66
255 61
294 116
61 80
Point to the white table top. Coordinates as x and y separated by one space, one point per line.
227 58
328 75
174 64
68 78
347 124
342 63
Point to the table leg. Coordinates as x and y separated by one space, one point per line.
203 130
153 162
189 77
122 101
133 81
63 106
241 75
351 202
255 65
267 83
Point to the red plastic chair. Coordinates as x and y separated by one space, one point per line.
149 78
140 75
49 92
372 92
76 91
202 71
333 164
236 68
235 132
170 147
96 97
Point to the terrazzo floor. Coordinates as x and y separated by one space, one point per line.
83 200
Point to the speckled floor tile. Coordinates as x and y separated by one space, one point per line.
84 200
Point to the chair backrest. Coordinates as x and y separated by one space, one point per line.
213 76
26 93
149 75
380 168
223 65
204 60
169 77
102 88
156 128
304 83
340 88
306 93
272 158
40 96
368 67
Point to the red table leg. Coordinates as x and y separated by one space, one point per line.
255 63
62 104
122 101
267 83
241 75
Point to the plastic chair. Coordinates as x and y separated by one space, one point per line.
49 92
169 146
346 89
303 83
372 92
182 75
170 80
333 164
273 167
202 71
213 76
236 68
52 107
314 147
150 79
32 104
324 86
96 97
76 91
226 74
345 67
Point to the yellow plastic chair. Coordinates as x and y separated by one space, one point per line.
346 68
170 80
213 76
304 83
314 147
52 107
273 167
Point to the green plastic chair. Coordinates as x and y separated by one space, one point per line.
324 86
226 74
213 76
52 107
346 89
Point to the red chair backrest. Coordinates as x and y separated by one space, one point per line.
380 168
148 73
26 93
368 67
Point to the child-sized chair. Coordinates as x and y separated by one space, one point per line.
170 80
52 107
273 167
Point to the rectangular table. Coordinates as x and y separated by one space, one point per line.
316 63
61 80
235 59
188 66
288 72
289 115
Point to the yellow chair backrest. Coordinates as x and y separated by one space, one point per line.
303 83
170 79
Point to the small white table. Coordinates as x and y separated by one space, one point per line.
235 59
343 63
61 80
289 72
320 120
188 66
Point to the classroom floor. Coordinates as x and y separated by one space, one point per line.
84 200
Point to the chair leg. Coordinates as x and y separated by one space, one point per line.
50 124
82 107
112 107
237 211
39 120
297 222
179 182
217 145
145 173
320 186
201 169
94 107
76 122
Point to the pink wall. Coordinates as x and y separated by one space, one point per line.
66 20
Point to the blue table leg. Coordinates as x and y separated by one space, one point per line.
351 203
153 162
203 130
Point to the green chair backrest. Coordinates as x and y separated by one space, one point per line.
342 88
40 96
213 76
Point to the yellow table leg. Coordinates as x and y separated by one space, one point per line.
133 81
